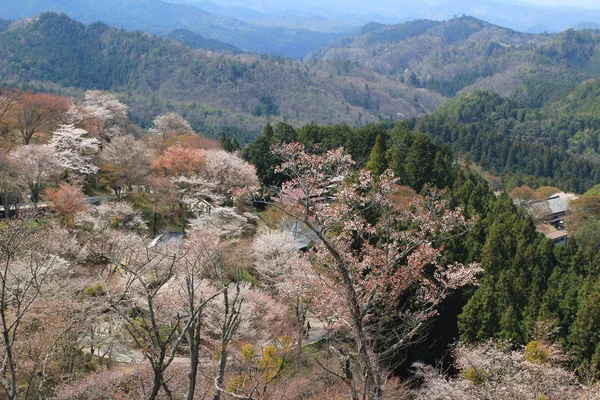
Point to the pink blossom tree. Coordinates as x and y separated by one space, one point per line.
375 254
29 260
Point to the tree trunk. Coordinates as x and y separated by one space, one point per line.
194 339
156 385
221 376
366 355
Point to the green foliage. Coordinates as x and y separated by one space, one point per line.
525 146
94 291
475 375
536 353
377 162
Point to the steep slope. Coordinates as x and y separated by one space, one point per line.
556 146
158 17
213 91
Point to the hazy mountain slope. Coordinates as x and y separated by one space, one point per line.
513 14
466 54
160 18
196 41
212 91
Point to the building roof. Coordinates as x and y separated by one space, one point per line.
557 204
304 236
293 196
550 231
168 237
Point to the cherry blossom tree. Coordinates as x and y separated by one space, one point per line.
229 172
492 370
35 167
101 113
202 257
125 163
155 330
228 222
170 124
29 259
74 149
235 316
278 261
111 215
274 252
149 284
375 254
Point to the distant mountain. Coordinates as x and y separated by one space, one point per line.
4 24
214 92
158 17
196 41
313 18
386 73
586 25
466 53
513 14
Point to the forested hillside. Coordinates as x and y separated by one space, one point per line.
527 280
466 53
197 41
214 92
160 18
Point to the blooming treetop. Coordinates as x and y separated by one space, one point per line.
74 149
373 253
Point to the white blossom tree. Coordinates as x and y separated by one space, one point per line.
494 371
35 166
229 173
170 124
274 252
75 149
126 162
112 215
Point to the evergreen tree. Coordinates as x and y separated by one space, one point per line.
225 142
377 160
418 166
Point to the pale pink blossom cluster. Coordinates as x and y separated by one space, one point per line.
170 124
494 371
